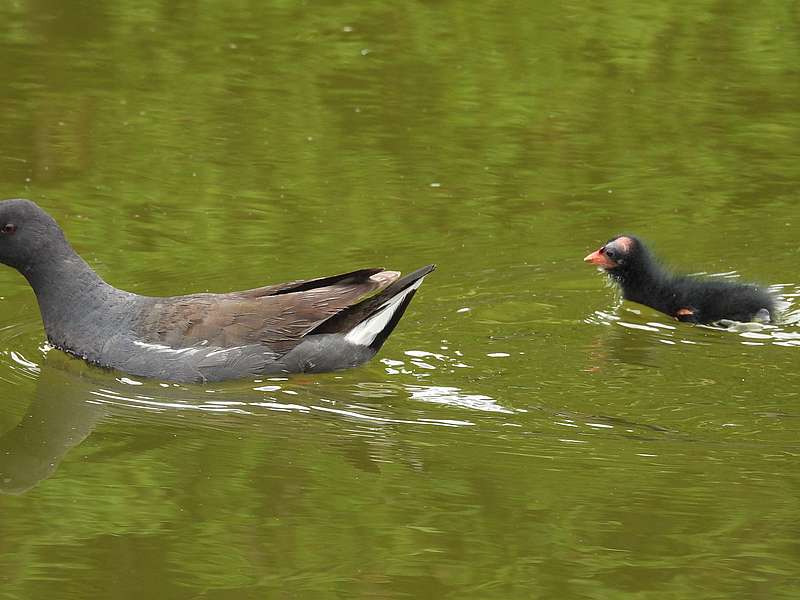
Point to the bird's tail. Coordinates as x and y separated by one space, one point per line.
371 321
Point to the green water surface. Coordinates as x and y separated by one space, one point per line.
523 433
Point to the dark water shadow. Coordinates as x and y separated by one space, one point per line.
354 418
60 417
70 400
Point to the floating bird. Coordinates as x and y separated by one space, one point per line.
630 264
314 325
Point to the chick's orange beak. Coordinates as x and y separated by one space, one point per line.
599 258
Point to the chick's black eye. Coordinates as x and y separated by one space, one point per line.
609 253
8 228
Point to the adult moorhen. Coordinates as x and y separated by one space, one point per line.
631 265
316 325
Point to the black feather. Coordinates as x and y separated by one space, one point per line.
643 279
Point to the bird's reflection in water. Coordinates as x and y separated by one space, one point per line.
71 398
59 418
635 335
618 345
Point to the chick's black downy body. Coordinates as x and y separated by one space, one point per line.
630 264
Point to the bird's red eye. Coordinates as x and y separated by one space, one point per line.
8 228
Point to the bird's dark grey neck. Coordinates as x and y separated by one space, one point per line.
77 306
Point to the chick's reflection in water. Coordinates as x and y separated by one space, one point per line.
59 418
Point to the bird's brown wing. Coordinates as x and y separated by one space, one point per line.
276 316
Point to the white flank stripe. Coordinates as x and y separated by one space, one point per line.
169 350
365 332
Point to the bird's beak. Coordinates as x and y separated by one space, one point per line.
601 260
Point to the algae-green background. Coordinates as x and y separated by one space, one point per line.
187 146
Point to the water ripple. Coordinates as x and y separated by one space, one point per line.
784 333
